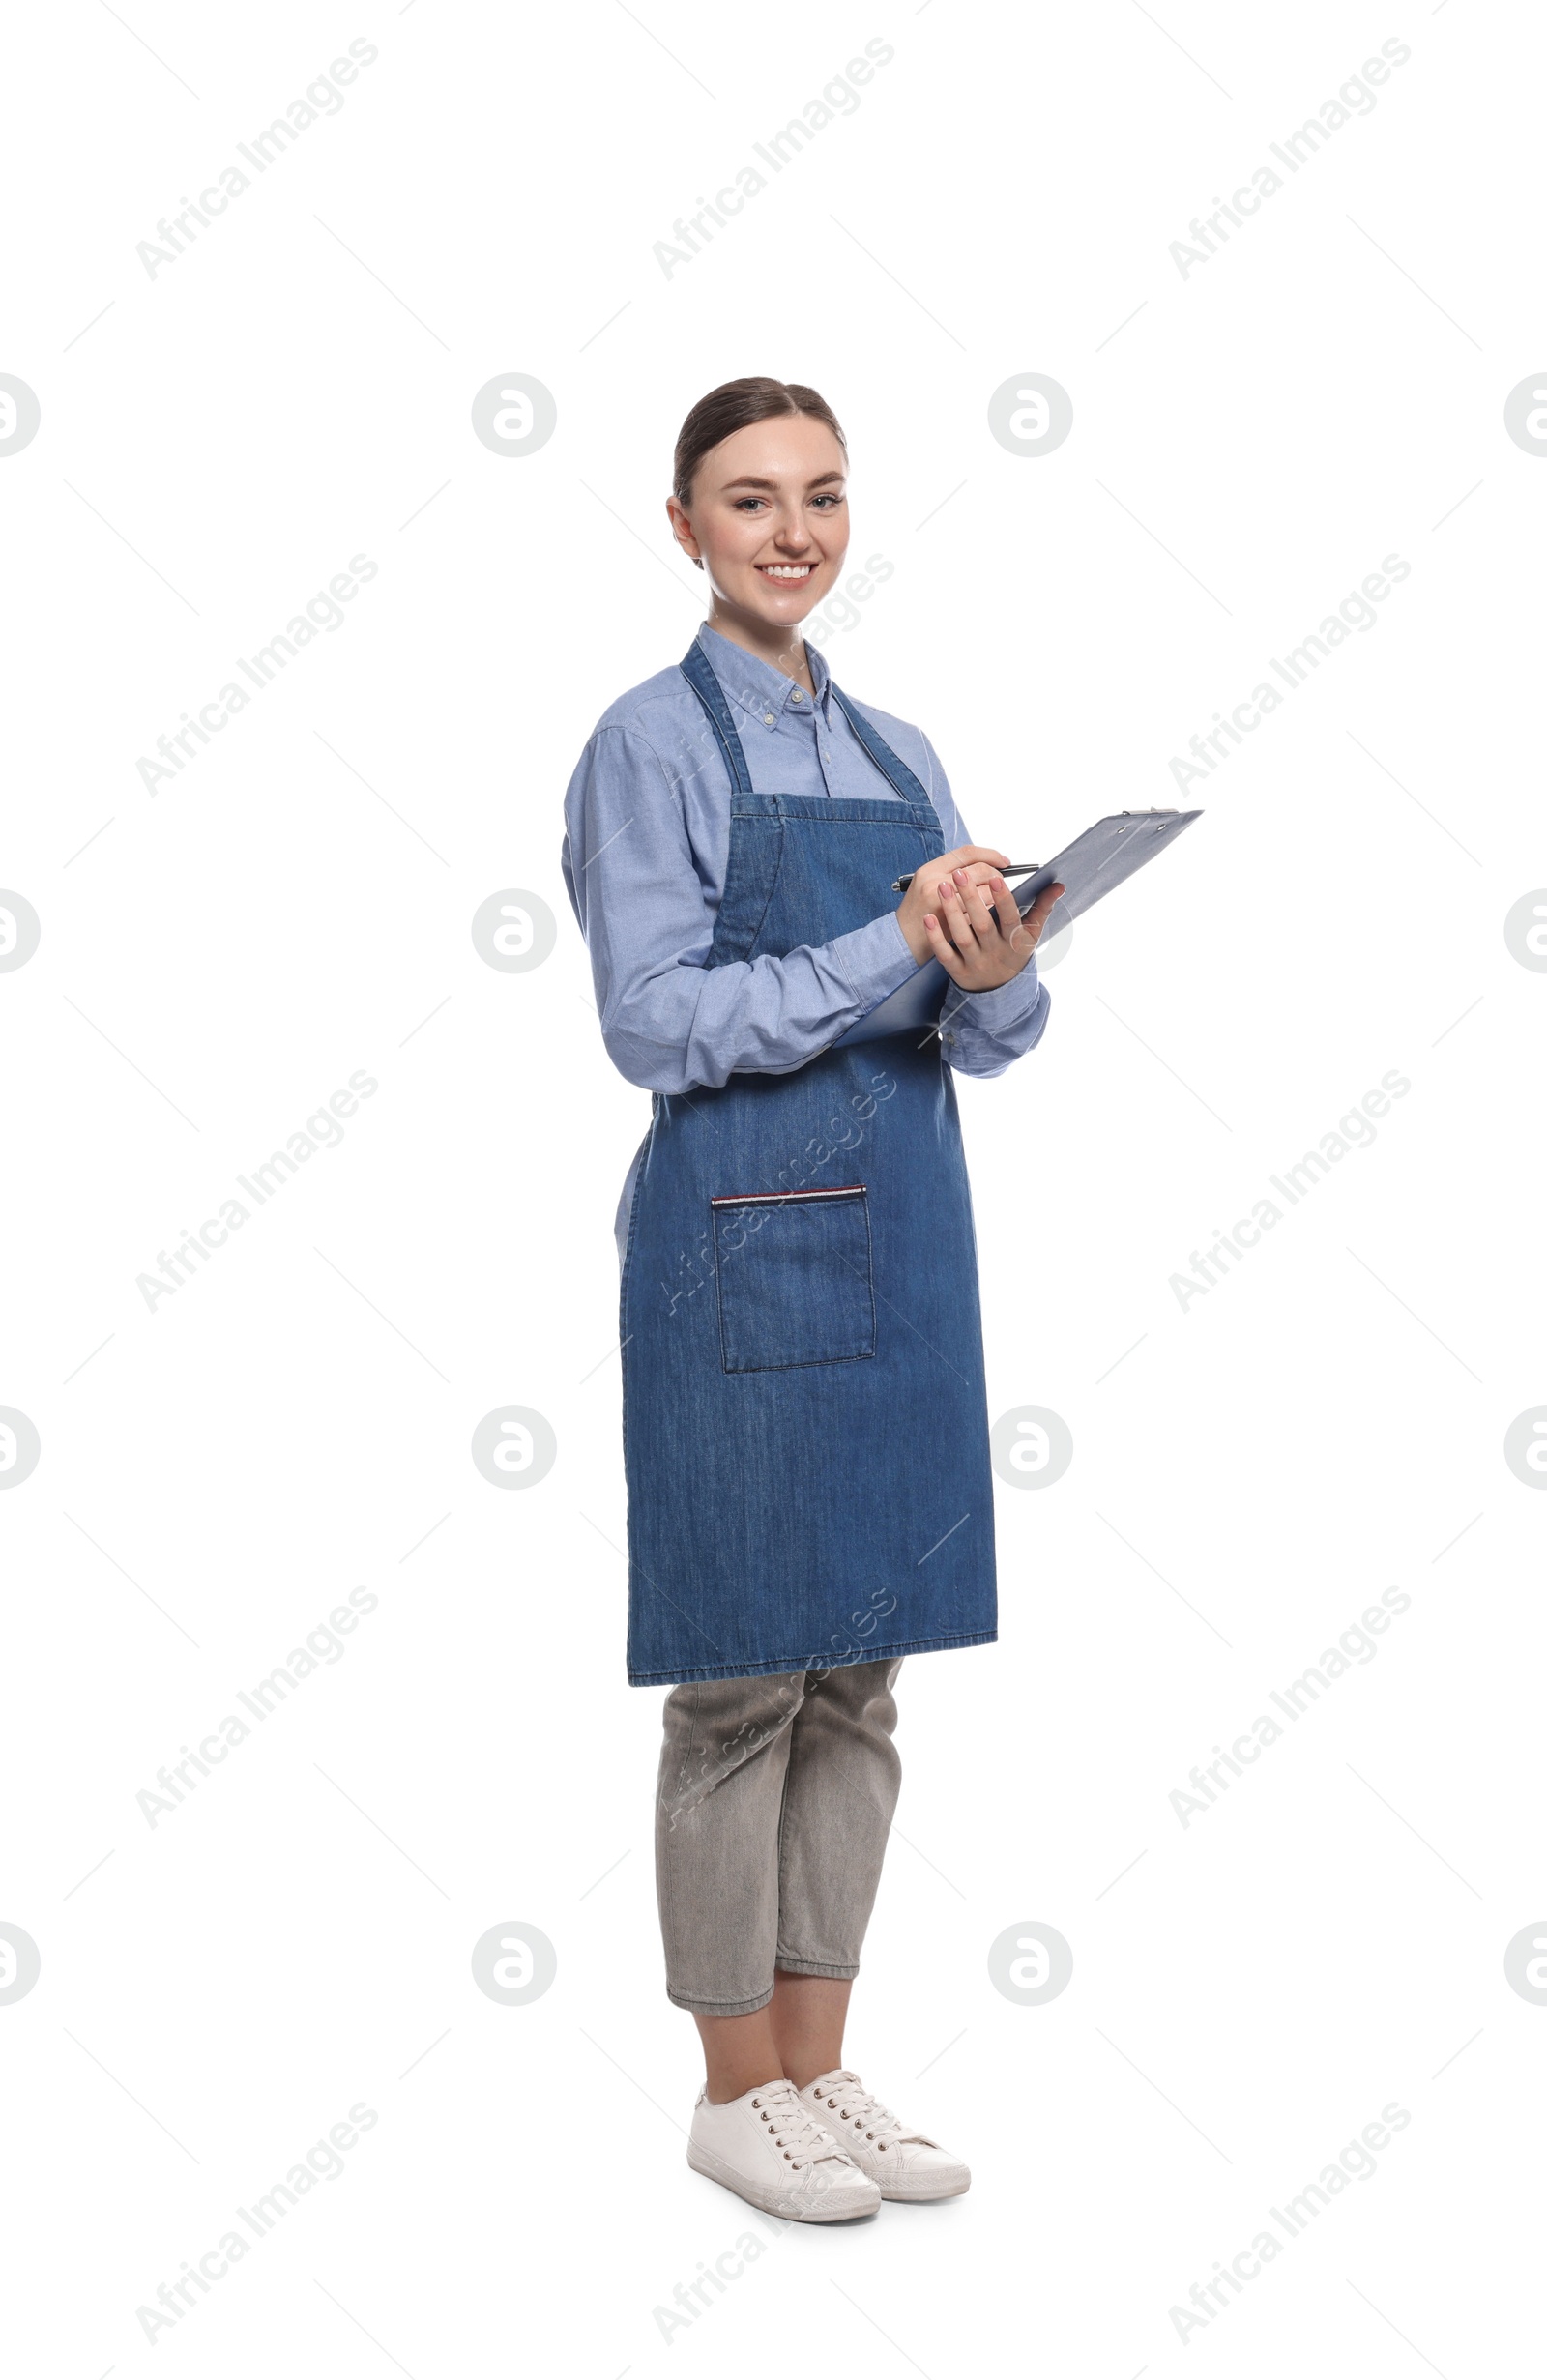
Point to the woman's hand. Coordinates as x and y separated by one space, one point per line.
977 861
960 910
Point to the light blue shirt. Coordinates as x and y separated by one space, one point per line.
647 820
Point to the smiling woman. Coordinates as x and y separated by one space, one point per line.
805 1431
736 503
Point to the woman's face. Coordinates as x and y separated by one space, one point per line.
769 519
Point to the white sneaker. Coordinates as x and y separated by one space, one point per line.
772 2151
902 2162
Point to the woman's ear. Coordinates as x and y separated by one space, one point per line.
681 529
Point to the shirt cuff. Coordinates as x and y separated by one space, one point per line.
875 959
1006 1005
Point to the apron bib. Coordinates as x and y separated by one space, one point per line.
805 1428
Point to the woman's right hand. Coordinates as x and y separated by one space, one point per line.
933 881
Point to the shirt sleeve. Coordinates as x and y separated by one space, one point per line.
669 1021
984 1032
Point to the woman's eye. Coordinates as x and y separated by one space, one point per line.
744 504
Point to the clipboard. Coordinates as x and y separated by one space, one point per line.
1103 856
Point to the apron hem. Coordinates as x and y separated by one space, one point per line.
779 1664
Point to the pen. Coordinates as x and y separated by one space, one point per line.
1022 867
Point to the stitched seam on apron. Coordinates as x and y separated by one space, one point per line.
804 1363
779 865
622 1335
779 1665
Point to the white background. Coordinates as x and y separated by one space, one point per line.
1250 440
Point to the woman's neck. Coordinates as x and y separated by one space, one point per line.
782 648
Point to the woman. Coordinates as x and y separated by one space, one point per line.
805 1425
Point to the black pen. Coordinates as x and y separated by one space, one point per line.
1022 867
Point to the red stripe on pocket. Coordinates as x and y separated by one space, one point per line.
786 1198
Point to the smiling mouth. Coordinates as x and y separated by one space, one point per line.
787 573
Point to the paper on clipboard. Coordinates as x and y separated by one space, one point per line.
1103 856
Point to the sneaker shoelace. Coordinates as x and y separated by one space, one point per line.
802 2135
849 2099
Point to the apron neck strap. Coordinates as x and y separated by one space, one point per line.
695 668
898 775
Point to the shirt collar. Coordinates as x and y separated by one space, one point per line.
757 689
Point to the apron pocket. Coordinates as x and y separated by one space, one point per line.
794 1274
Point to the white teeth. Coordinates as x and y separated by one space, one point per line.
780 569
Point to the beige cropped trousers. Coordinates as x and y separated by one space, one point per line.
774 1804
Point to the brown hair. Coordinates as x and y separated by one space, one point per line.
735 406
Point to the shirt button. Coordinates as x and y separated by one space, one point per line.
797 696
767 719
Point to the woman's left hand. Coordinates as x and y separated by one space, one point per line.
984 943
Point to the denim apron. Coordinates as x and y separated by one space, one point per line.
805 1428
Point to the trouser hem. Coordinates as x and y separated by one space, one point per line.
816 1966
717 2008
